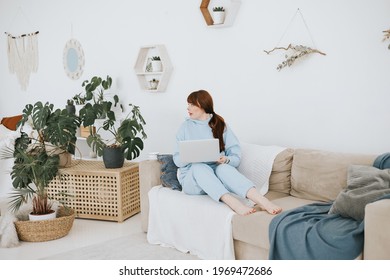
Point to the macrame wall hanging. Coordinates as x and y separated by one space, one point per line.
23 57
293 52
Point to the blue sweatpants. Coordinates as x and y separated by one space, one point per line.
215 180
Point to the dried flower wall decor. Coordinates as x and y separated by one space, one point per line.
386 36
295 51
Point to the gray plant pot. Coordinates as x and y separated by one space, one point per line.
113 157
71 109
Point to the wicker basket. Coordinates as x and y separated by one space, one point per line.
38 231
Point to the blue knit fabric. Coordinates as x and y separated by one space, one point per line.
168 172
310 233
382 161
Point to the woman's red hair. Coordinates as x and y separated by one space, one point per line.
203 99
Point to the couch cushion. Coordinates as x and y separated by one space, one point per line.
321 175
168 172
366 184
280 179
253 228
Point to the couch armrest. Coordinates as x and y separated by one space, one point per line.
377 230
149 176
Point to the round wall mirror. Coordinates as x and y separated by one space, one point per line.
73 59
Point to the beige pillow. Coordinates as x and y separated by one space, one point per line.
280 179
321 175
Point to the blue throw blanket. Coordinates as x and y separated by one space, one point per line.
310 233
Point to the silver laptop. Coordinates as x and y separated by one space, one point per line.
204 150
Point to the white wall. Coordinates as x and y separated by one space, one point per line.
337 102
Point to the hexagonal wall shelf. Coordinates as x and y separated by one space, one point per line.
230 13
153 80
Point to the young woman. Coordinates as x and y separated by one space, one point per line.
221 179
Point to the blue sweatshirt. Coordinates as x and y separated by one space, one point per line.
197 129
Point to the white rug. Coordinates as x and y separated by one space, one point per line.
131 247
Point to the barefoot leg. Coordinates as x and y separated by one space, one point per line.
236 205
263 202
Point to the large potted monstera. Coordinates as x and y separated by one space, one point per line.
38 154
126 141
126 135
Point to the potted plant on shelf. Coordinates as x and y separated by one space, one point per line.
218 15
37 157
127 135
153 84
156 64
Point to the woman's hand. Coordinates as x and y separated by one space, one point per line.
223 159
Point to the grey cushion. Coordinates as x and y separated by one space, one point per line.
365 185
168 172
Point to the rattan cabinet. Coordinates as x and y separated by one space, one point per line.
96 192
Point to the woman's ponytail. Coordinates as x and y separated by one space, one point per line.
217 124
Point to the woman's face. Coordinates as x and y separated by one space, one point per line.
195 112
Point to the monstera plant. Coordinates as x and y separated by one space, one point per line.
127 137
37 154
95 105
127 134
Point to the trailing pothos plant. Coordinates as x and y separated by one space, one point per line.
36 157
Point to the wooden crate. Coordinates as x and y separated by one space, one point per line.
96 192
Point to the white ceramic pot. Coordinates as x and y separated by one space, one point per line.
153 84
218 17
42 217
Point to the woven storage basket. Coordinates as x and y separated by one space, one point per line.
37 231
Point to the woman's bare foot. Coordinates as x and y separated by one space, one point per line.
270 208
236 205
263 202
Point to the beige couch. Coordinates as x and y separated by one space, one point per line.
298 177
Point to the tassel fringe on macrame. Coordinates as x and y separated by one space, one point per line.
23 56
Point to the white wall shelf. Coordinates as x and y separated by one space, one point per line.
144 76
231 12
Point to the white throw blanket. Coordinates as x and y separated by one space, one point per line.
190 223
196 223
